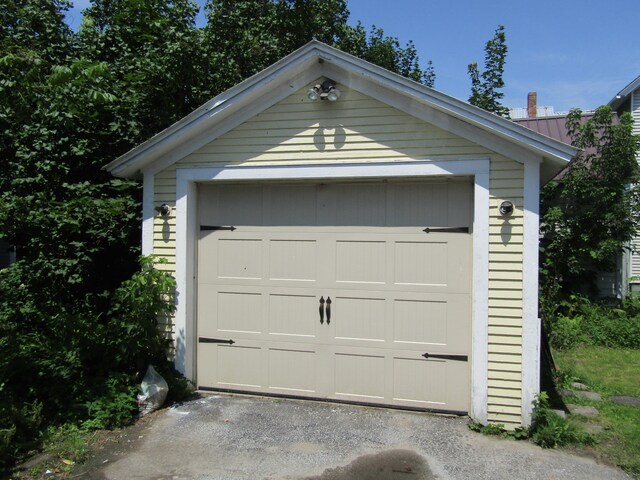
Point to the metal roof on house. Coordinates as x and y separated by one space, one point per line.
552 127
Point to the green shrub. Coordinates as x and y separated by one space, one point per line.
550 430
580 320
79 361
631 304
116 405
567 332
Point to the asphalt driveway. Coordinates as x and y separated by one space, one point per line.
242 437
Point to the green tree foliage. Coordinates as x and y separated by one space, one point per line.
153 51
486 86
78 314
75 227
386 52
243 37
589 215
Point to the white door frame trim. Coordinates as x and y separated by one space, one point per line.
186 228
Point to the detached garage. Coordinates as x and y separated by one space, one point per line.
340 232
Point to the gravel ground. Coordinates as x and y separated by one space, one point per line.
243 437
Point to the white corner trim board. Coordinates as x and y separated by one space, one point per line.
186 227
530 321
480 321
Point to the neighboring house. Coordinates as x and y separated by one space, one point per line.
628 100
378 245
626 276
609 284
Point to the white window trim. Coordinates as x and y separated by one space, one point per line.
186 228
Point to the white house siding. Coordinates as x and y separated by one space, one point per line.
360 128
633 257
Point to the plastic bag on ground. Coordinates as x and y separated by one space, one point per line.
154 391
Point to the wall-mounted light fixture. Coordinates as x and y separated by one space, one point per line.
325 91
164 210
506 208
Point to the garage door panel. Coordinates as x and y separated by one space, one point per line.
235 309
459 204
240 258
231 205
358 205
435 384
293 260
292 371
420 321
293 315
360 261
238 312
223 366
421 263
414 204
358 318
281 210
239 366
439 324
358 376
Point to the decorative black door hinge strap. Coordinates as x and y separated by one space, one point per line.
214 340
461 358
446 230
211 228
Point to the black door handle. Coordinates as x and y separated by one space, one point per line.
328 310
460 358
321 310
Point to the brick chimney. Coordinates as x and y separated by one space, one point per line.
532 105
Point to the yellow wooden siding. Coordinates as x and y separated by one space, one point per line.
359 128
505 292
164 229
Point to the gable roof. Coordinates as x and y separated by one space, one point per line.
310 62
622 95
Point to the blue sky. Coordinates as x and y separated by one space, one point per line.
574 53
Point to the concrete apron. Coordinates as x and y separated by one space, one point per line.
243 437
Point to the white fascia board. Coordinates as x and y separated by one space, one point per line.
186 228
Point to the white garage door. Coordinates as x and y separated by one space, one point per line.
336 291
